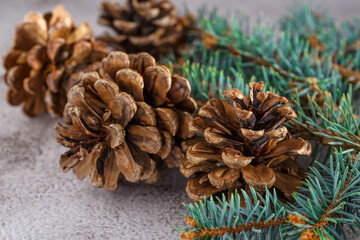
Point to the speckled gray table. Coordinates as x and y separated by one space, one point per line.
38 201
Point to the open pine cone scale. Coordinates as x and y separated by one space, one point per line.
123 122
243 143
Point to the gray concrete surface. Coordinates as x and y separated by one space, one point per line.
38 201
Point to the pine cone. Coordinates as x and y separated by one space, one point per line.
124 120
144 26
48 57
242 144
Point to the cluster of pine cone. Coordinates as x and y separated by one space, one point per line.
124 114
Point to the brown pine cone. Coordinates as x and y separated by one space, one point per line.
125 119
48 57
150 26
242 144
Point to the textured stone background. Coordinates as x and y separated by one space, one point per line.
38 201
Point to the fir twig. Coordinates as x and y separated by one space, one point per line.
215 219
342 44
327 202
209 72
331 124
290 54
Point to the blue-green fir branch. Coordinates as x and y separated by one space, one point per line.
334 121
210 72
287 53
343 42
328 201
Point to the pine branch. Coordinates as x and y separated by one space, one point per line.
209 72
306 22
262 46
322 35
331 124
290 55
231 230
328 200
217 218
